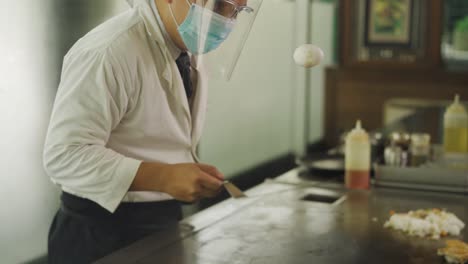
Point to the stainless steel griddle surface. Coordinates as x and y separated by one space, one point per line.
276 226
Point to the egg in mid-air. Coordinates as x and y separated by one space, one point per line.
308 55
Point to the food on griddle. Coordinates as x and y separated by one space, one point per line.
431 223
456 251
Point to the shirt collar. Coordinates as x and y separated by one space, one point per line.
171 46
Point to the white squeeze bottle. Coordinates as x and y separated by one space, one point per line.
456 128
357 158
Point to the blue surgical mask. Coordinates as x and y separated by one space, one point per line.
192 34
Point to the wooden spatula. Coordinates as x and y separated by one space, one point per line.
233 190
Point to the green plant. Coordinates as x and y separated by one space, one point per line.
462 25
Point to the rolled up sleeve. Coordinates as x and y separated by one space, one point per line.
91 101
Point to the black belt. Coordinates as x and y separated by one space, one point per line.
144 214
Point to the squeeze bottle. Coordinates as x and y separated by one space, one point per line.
456 128
357 158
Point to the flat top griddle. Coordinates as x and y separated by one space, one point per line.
293 222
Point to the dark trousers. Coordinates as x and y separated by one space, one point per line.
83 232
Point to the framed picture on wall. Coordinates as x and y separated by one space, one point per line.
388 22
390 33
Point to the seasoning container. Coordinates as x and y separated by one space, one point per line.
393 156
401 139
399 147
357 158
377 141
456 129
420 149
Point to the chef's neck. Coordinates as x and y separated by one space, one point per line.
180 10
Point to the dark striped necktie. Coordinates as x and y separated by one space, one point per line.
183 63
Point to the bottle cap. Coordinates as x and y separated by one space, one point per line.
456 107
358 133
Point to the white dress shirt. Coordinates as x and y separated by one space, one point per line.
121 101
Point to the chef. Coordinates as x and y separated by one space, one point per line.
127 118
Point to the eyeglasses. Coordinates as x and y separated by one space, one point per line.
230 8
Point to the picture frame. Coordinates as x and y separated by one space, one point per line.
388 23
416 45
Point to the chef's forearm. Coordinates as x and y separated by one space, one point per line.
149 177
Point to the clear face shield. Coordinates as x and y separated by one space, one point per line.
215 32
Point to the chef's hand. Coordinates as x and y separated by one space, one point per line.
186 182
189 182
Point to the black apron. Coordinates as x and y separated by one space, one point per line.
83 232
